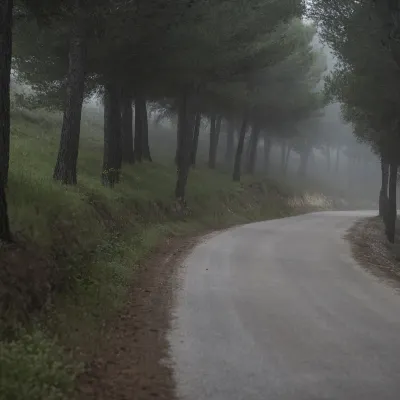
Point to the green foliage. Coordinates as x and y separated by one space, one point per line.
33 367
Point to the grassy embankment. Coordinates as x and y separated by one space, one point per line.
78 248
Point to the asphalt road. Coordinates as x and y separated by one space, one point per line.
280 310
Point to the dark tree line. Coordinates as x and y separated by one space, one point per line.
248 68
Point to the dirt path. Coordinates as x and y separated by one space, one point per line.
132 363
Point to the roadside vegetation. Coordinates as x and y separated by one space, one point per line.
363 36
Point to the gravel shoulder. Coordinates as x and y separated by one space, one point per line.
373 251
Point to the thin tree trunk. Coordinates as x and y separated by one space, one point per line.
196 133
145 138
179 130
328 159
65 170
392 205
139 126
186 142
287 156
127 130
239 151
6 8
337 159
230 143
304 156
267 150
251 161
283 156
212 152
112 135
383 194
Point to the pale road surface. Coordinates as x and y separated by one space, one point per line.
280 310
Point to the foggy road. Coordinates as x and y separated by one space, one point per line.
280 310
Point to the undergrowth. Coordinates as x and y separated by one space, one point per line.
78 247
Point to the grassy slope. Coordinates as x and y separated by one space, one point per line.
84 243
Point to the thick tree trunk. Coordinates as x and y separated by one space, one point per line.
65 169
127 130
145 137
186 126
6 8
230 143
212 153
267 150
251 161
239 150
139 127
196 133
392 205
112 135
383 194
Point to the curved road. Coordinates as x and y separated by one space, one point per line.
280 310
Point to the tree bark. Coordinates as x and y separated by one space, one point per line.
383 194
337 159
239 149
196 133
267 150
127 129
304 157
65 170
212 153
186 117
6 8
145 138
328 158
230 143
287 156
251 161
112 158
283 156
392 204
139 127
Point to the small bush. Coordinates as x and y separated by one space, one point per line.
35 368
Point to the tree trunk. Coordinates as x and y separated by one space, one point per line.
267 150
112 135
283 156
65 169
328 159
139 126
287 156
186 117
196 133
6 8
392 205
251 161
239 150
304 156
337 159
212 153
127 130
383 194
145 137
230 143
